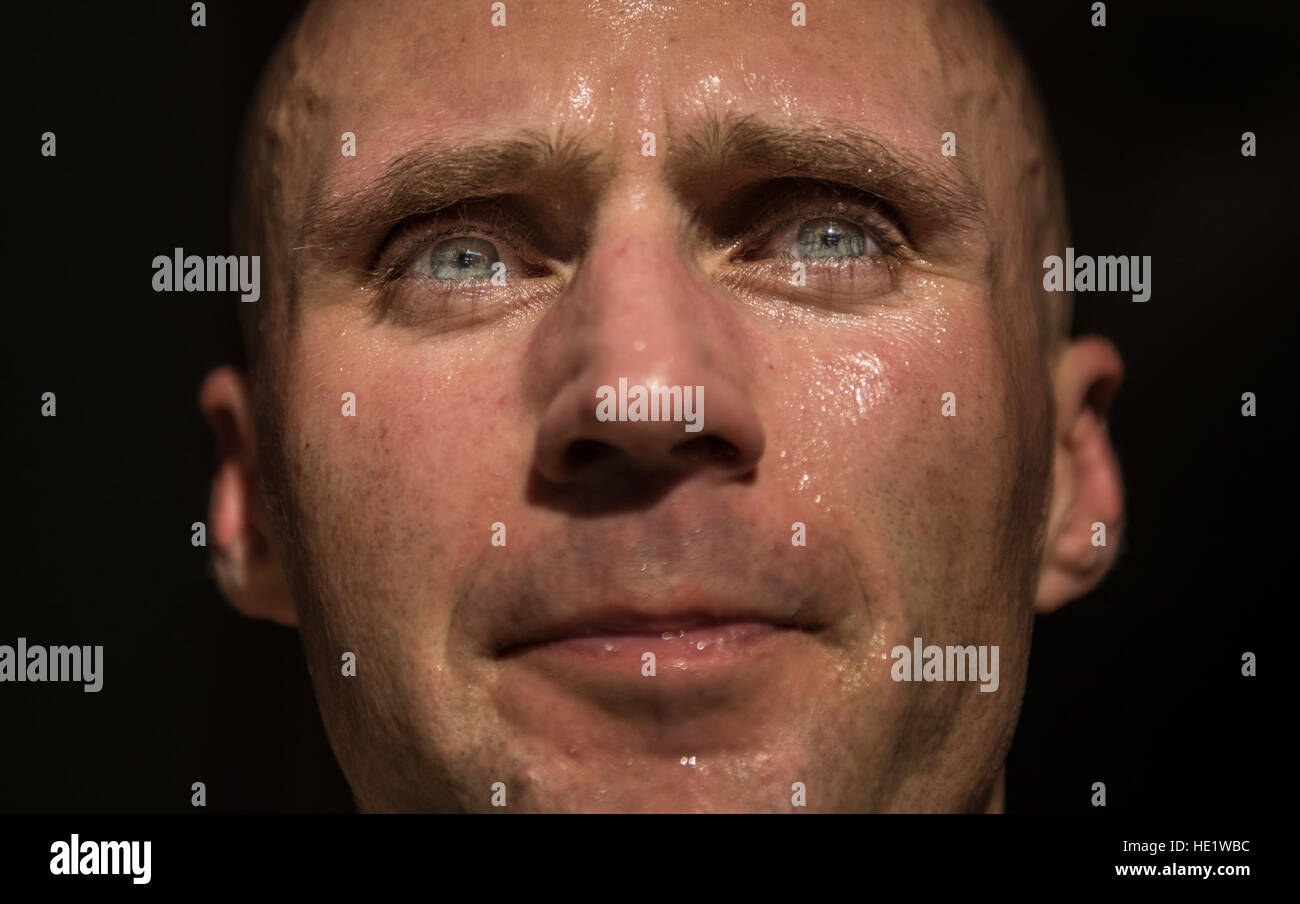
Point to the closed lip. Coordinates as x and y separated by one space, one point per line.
625 623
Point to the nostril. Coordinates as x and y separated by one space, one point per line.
706 449
583 454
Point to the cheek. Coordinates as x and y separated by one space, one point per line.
915 496
404 489
904 401
914 482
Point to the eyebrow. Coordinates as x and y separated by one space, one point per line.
722 148
437 174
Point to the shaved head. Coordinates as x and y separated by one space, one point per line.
991 99
818 238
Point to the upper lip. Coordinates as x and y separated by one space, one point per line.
653 574
622 620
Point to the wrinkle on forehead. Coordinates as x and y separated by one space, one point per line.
378 54
626 16
368 62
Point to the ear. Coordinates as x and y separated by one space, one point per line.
248 568
1087 488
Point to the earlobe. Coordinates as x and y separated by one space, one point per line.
248 570
1085 518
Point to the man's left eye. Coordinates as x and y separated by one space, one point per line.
833 237
821 238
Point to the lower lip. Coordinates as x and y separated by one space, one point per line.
683 649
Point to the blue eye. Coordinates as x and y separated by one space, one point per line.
830 237
462 258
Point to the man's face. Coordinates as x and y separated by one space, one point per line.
781 155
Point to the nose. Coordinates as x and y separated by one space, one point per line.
645 373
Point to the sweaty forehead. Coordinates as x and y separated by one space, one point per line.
396 73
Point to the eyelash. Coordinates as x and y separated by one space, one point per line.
888 246
417 235
811 200
814 199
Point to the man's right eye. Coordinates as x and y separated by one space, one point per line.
461 258
462 245
450 272
457 258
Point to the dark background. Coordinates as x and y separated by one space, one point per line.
1137 685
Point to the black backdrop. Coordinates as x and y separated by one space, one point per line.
1137 685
